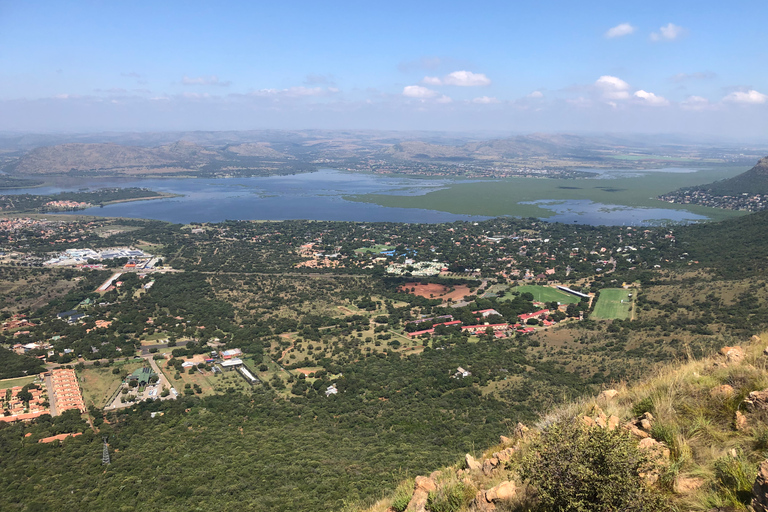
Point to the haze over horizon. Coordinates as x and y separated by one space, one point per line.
594 67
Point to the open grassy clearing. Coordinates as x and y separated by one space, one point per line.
504 197
614 303
21 381
99 384
543 294
376 249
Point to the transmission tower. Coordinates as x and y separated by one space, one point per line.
105 454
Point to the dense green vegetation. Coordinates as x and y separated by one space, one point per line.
506 197
30 202
10 182
401 404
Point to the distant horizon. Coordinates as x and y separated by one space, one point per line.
478 133
496 66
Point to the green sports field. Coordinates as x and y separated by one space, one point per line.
609 305
544 294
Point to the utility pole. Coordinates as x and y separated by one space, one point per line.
105 455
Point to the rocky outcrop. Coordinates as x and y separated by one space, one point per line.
658 453
472 463
760 489
608 395
487 500
724 391
733 354
757 401
740 421
421 488
641 426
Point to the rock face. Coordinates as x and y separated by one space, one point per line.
659 455
760 489
757 401
472 463
740 422
733 354
607 395
641 427
724 391
421 489
487 500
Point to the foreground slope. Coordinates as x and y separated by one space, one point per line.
691 437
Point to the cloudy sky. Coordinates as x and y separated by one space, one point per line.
653 67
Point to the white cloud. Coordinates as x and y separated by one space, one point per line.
485 100
668 32
432 80
696 103
649 98
623 29
751 97
296 92
536 95
417 91
613 88
444 99
466 79
205 80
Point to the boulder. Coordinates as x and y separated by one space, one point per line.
472 463
640 434
489 465
521 430
733 354
740 422
607 395
613 422
421 489
760 489
487 500
722 392
589 422
757 401
601 420
505 440
655 449
687 484
504 455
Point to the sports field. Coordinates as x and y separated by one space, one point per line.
544 294
376 249
610 306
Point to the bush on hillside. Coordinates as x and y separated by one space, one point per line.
575 468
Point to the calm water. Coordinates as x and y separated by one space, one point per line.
320 196
315 196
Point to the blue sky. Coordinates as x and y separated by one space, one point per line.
656 67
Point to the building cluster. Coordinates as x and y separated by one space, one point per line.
500 330
65 390
744 202
72 257
16 409
65 205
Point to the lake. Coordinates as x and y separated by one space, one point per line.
345 196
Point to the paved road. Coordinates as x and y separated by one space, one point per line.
145 348
51 400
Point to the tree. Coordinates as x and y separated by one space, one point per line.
576 468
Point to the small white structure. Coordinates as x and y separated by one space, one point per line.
331 390
461 373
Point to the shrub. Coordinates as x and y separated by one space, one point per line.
451 497
735 476
402 495
578 469
643 406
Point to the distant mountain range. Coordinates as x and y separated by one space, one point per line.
754 181
283 152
